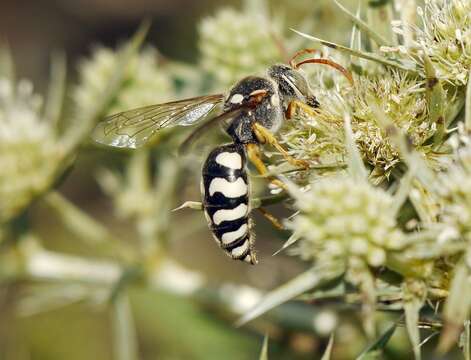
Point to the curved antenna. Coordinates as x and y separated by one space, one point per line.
302 52
336 66
331 63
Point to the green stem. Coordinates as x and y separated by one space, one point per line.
467 121
124 333
85 227
51 267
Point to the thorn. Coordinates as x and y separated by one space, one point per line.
292 239
278 251
194 205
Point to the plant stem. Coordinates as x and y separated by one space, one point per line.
47 266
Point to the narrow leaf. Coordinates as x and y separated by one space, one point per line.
412 306
363 26
403 191
55 98
457 307
356 167
328 350
467 121
453 109
361 54
264 352
435 101
380 343
467 340
355 37
306 281
356 44
291 240
411 309
408 15
124 333
380 16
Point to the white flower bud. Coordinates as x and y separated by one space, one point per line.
145 82
235 44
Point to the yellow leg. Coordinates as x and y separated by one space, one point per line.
275 222
265 137
299 105
253 153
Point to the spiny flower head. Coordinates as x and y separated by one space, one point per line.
235 44
403 99
320 137
29 154
144 84
446 38
341 218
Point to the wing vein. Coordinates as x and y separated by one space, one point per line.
135 127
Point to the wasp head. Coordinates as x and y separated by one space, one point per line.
292 84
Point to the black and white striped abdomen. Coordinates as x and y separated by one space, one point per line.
225 192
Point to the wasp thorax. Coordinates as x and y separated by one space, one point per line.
268 112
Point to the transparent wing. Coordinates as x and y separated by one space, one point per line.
196 133
134 128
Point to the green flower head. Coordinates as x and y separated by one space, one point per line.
340 217
28 146
235 44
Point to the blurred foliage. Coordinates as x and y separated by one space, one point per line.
376 251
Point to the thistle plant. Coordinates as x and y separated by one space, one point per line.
401 109
341 218
34 154
29 147
144 82
231 47
379 223
36 147
444 37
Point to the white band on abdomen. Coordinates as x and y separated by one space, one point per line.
230 214
231 160
228 189
238 251
232 236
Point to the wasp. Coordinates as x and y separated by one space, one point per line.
252 112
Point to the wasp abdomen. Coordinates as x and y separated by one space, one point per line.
225 192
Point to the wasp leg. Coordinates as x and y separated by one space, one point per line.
253 153
295 105
274 221
266 137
